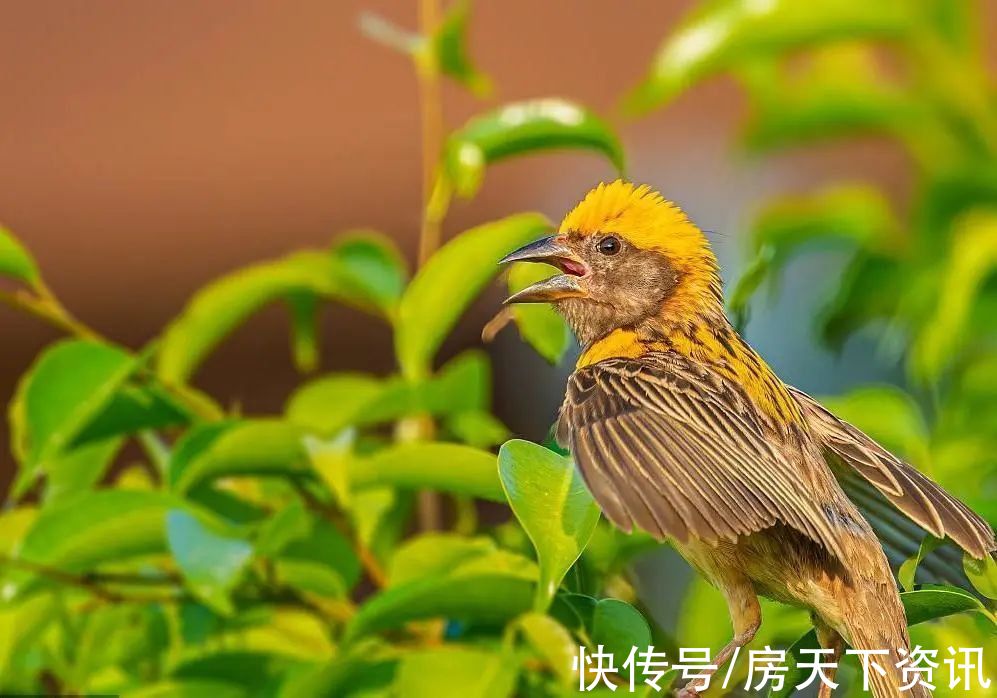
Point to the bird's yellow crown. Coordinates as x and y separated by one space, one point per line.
641 216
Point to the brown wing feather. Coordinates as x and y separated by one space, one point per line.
904 487
677 450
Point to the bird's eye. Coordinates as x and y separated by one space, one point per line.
609 245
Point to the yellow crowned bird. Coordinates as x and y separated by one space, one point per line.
680 429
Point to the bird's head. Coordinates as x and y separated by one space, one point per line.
626 255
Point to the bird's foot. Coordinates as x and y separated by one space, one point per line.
687 692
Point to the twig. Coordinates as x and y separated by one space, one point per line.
431 107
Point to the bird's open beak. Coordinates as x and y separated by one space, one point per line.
550 250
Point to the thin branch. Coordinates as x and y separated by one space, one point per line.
431 107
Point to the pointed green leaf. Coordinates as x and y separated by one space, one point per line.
433 554
457 672
211 563
451 51
553 643
68 386
908 570
982 574
372 265
449 281
551 502
618 627
487 588
448 467
722 35
539 324
15 261
520 128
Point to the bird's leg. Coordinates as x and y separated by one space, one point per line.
829 639
745 617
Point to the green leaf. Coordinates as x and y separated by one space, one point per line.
550 500
857 214
21 623
95 528
373 267
368 665
304 331
520 128
489 588
456 672
618 627
322 562
539 324
477 428
982 574
216 310
135 406
887 414
451 53
724 34
972 259
258 447
212 564
871 288
908 569
553 643
449 281
434 554
80 469
65 389
15 261
286 526
440 466
196 688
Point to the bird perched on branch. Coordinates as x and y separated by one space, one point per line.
680 429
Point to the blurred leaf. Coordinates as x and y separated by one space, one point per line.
367 665
14 524
65 389
330 404
553 505
21 623
440 466
619 627
15 261
304 331
982 574
871 288
456 672
321 562
134 407
79 469
972 258
889 415
212 564
255 673
286 526
255 447
477 428
553 643
722 34
330 459
524 127
449 281
372 265
187 689
539 324
451 52
362 272
489 588
908 570
434 553
856 213
95 528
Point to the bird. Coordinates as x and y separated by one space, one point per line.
680 429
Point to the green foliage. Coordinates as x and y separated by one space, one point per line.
155 544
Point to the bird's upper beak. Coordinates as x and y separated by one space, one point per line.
551 250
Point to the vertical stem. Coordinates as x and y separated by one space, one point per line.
431 108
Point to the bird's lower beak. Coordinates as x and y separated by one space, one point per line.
550 250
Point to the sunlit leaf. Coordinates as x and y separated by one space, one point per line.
908 570
21 623
432 554
972 258
366 665
553 643
539 324
982 574
256 447
456 672
67 387
549 498
15 261
449 281
857 214
520 128
79 469
187 689
451 51
477 428
721 34
441 466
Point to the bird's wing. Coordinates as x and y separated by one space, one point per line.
679 451
908 491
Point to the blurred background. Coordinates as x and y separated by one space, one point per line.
149 148
152 146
